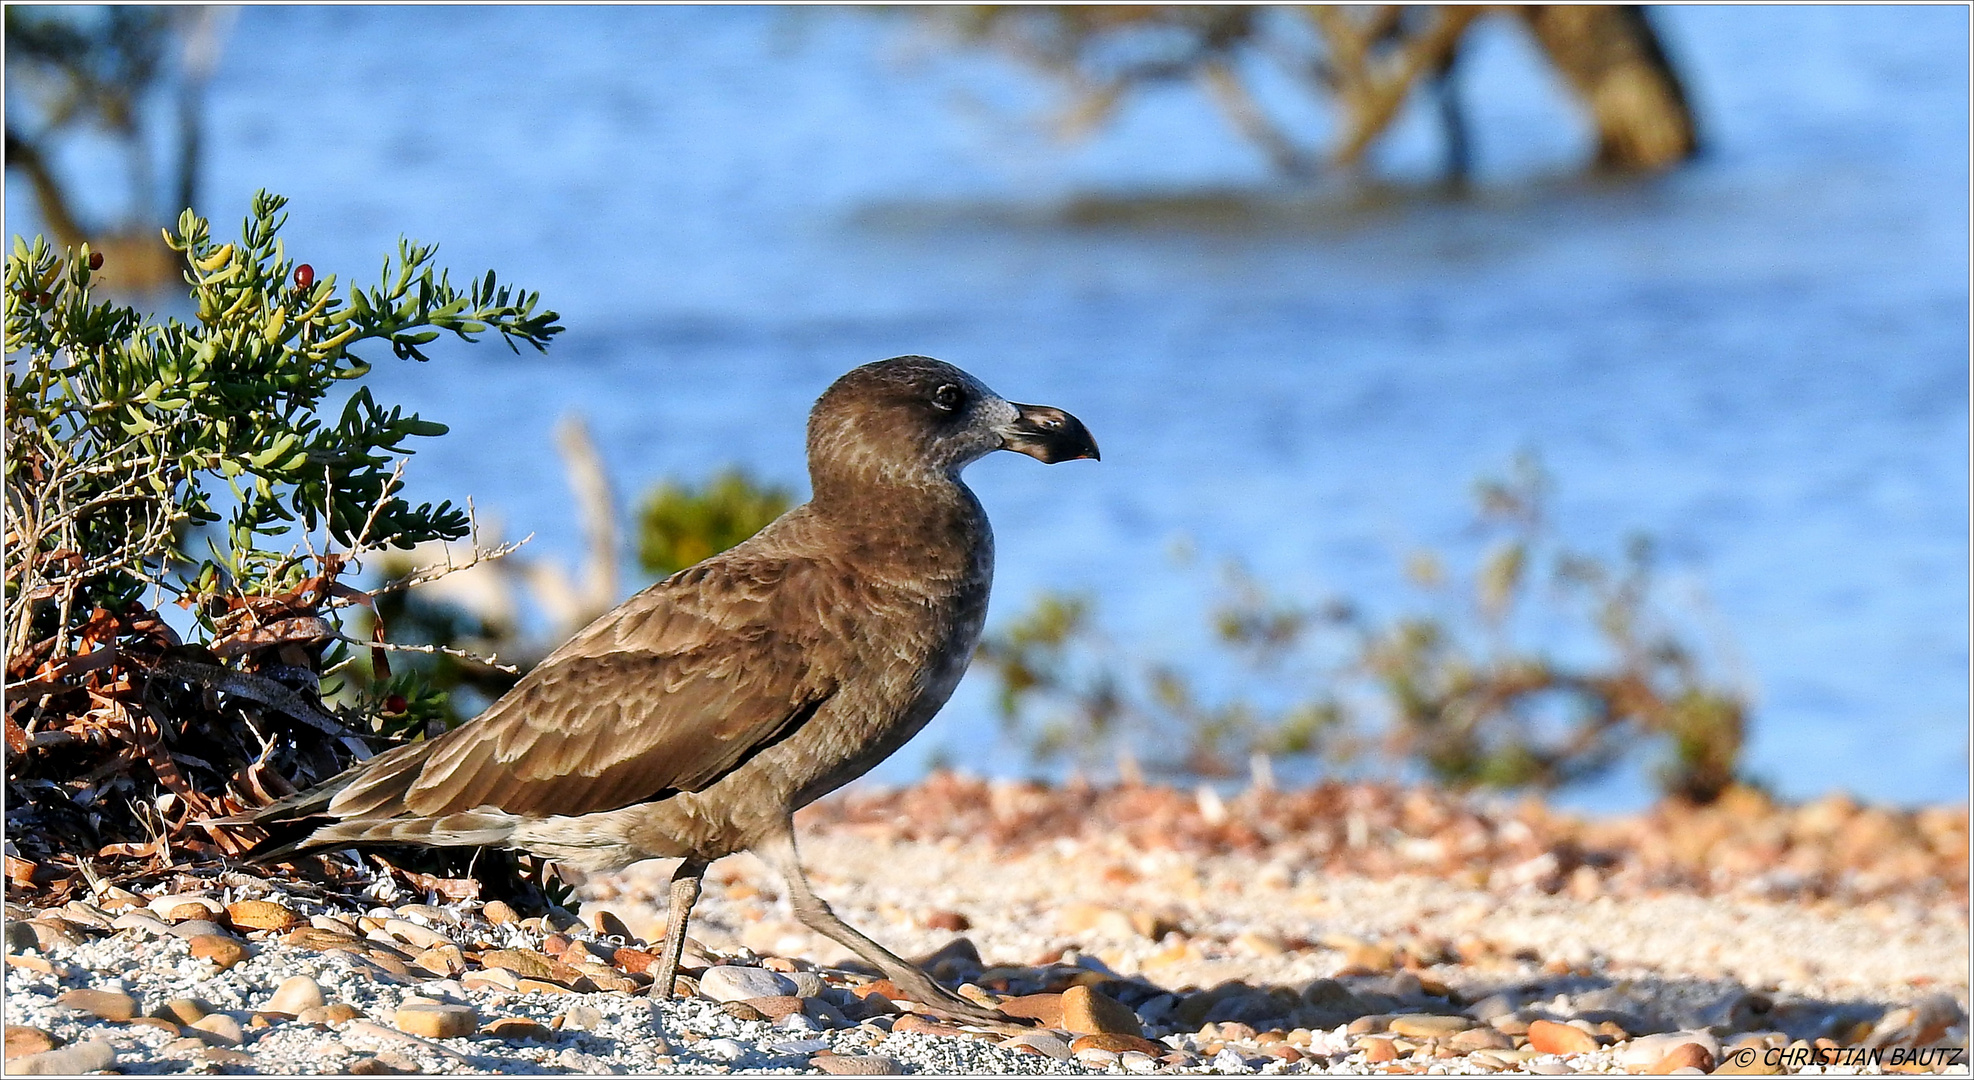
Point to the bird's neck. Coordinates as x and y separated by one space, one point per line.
927 520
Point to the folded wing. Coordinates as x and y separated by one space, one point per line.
668 693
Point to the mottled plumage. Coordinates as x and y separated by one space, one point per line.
694 719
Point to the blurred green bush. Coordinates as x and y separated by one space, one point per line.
1473 692
679 525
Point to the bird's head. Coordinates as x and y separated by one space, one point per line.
913 417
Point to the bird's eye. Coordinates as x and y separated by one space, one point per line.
948 397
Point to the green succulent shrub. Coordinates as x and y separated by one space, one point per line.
232 463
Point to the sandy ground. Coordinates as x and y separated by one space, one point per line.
1427 935
1679 960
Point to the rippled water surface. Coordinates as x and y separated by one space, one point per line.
1762 360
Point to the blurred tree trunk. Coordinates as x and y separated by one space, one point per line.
54 206
1613 60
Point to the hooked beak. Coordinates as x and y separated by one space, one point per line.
1048 435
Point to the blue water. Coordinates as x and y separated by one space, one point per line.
1762 360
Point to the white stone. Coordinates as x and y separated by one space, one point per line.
423 937
142 921
220 1030
807 984
1047 1044
740 983
295 994
85 1057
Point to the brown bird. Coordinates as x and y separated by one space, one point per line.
696 718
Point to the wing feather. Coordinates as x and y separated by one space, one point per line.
668 693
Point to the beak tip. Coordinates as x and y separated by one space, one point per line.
1050 436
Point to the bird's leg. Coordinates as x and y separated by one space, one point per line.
816 915
685 893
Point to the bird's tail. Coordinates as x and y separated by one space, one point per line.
364 805
483 827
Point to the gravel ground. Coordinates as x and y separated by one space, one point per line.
1255 961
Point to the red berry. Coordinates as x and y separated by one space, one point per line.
396 704
95 260
304 276
45 299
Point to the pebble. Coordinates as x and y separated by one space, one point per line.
1549 1068
1369 1024
1549 1037
420 937
808 984
141 921
524 963
1042 1041
1044 1008
219 1029
182 1010
295 995
517 1027
539 986
1513 1023
914 1024
726 983
1646 1051
321 939
20 937
261 915
579 1018
632 960
743 1010
327 1014
1480 1038
335 924
222 950
93 1056
774 1008
191 928
604 977
23 1040
1685 1056
1427 1026
379 1031
182 906
856 1065
436 1021
106 1004
444 961
432 913
607 924
51 932
499 913
1086 1011
1117 1044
